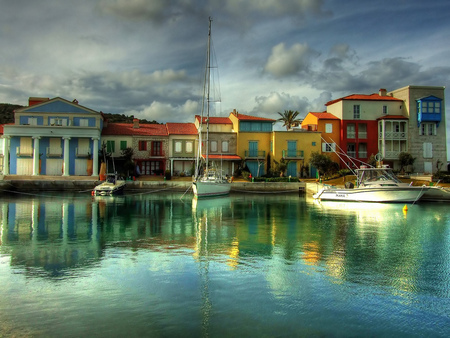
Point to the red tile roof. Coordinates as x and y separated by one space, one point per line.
127 129
215 120
242 117
1 129
362 97
324 116
181 129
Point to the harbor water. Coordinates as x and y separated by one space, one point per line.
249 265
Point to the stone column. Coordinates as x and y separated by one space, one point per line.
36 155
95 157
6 155
66 156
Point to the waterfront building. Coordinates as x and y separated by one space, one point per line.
52 137
2 149
423 108
295 147
359 114
222 146
183 145
148 141
254 141
330 128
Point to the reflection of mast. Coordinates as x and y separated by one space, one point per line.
201 255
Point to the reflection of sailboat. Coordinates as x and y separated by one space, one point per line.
211 182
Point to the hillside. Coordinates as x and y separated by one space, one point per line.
7 115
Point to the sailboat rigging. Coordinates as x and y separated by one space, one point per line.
211 181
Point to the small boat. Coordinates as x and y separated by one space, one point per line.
436 194
373 185
113 185
211 182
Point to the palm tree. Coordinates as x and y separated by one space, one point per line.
289 118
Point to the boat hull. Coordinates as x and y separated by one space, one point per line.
210 189
106 189
385 194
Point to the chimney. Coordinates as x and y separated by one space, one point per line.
382 92
75 101
235 113
32 101
135 123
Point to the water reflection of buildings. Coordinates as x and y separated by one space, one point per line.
39 234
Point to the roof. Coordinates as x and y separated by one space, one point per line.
1 129
215 120
181 129
223 157
127 129
363 97
392 117
243 117
324 116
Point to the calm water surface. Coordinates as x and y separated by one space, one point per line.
245 265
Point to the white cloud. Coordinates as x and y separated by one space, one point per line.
287 62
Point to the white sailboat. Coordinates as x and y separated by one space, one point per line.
211 182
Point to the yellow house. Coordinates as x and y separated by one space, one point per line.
254 136
295 147
330 128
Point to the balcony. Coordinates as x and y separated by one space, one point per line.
393 135
54 152
293 154
255 154
351 134
24 152
83 152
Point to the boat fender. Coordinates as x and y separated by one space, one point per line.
405 208
92 192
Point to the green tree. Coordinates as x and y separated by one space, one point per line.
289 118
406 160
128 164
323 163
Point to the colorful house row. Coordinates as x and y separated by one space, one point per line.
409 119
60 137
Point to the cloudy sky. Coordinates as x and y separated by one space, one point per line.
147 57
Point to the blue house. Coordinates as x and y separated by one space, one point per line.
53 137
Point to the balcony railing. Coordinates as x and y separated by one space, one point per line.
293 154
393 135
260 154
54 152
392 154
362 134
83 152
351 134
24 152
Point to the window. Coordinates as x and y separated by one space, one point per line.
362 130
225 146
32 121
356 112
328 147
156 148
351 150
178 146
58 122
189 146
123 145
142 145
213 146
427 150
328 128
427 129
385 110
110 146
84 123
314 144
351 130
362 150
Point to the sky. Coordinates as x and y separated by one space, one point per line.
147 57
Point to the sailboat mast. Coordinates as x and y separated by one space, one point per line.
208 84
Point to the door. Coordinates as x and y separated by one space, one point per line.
24 166
252 148
54 167
292 149
80 167
428 167
292 169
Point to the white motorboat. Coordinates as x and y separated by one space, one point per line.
211 182
374 185
113 185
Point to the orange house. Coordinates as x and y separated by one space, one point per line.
330 126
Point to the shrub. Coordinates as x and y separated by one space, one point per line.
167 175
